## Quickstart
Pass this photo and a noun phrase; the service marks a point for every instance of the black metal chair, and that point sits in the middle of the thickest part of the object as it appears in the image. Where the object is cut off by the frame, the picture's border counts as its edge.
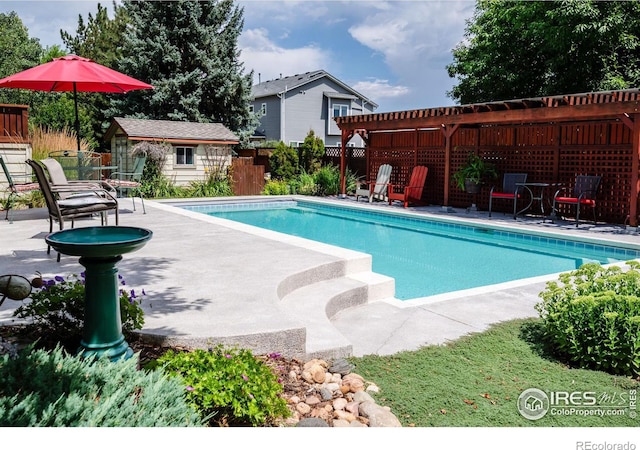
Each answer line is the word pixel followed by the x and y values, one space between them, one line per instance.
pixel 510 190
pixel 97 201
pixel 583 195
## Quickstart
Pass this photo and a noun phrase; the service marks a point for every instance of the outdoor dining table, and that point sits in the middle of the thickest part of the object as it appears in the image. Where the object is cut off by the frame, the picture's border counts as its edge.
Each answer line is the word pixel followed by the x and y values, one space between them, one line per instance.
pixel 536 194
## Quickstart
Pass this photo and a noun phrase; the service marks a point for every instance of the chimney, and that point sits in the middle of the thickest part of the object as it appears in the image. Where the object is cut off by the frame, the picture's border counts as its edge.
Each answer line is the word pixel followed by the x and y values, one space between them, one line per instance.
pixel 258 77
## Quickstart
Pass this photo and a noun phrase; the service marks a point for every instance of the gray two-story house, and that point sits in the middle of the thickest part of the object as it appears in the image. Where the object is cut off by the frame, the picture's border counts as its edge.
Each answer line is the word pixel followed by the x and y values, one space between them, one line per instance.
pixel 291 106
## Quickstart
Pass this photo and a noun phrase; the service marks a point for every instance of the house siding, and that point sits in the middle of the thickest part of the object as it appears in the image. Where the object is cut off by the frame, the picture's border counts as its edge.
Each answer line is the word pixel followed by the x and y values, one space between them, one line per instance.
pixel 121 147
pixel 15 155
pixel 269 124
pixel 306 108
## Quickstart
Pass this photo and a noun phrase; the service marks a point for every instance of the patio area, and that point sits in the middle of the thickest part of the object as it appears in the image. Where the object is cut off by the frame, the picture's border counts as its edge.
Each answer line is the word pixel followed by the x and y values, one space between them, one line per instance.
pixel 213 281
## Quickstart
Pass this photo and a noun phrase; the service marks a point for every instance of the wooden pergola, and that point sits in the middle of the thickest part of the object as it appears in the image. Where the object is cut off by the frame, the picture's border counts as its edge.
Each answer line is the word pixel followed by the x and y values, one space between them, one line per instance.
pixel 620 109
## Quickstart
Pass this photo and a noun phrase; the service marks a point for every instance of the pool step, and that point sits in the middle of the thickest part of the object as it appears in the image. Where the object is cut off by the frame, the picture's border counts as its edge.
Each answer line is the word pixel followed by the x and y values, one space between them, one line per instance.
pixel 316 304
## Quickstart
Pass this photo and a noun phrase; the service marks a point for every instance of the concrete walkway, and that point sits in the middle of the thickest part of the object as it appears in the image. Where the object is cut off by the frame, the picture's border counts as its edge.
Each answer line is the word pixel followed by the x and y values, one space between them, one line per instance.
pixel 211 281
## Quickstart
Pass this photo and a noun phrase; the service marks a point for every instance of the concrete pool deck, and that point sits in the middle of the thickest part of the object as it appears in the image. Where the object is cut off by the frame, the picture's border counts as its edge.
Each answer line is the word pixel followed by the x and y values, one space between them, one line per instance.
pixel 211 281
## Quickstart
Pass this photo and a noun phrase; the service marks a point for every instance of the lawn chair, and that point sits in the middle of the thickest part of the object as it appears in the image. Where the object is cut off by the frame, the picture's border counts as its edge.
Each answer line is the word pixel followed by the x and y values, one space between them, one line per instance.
pixel 583 195
pixel 411 193
pixel 130 182
pixel 16 189
pixel 510 190
pixel 71 188
pixel 377 189
pixel 101 201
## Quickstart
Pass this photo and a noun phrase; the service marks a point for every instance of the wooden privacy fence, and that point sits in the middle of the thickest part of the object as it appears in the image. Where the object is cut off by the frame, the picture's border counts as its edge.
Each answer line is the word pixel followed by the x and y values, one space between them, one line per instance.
pixel 355 158
pixel 247 178
pixel 547 153
pixel 14 120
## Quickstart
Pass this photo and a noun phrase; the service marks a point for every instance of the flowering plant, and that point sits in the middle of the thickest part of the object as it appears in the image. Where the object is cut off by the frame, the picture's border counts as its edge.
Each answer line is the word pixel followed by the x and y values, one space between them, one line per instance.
pixel 57 306
pixel 231 386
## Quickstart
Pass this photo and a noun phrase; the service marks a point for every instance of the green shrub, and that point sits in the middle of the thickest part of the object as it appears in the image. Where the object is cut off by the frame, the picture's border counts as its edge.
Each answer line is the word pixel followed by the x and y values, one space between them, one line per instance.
pixel 592 317
pixel 211 187
pixel 283 162
pixel 276 187
pixel 54 389
pixel 328 180
pixel 304 184
pixel 311 153
pixel 57 308
pixel 232 386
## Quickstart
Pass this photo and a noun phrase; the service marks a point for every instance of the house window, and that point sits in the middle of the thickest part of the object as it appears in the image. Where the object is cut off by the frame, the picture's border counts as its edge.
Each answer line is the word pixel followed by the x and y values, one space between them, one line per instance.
pixel 263 109
pixel 295 144
pixel 251 109
pixel 184 156
pixel 340 110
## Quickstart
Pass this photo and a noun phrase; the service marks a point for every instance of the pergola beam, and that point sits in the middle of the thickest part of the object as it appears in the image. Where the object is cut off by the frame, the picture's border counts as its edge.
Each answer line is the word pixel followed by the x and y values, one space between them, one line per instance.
pixel 414 120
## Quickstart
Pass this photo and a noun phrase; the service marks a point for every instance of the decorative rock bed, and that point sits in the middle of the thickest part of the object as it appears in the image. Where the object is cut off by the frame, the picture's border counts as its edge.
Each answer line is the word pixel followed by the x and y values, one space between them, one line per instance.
pixel 320 394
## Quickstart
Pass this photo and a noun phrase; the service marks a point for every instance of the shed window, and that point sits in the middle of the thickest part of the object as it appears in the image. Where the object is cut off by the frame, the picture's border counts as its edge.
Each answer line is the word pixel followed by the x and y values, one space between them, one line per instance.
pixel 184 156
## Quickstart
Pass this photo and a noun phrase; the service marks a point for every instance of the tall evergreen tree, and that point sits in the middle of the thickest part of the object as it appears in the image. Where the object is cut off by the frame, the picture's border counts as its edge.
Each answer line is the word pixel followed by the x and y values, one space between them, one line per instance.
pixel 188 51
pixel 515 49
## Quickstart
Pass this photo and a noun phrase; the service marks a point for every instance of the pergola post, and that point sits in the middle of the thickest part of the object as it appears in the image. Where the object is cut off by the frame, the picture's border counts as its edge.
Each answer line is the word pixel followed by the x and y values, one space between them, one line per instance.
pixel 635 165
pixel 448 131
pixel 346 136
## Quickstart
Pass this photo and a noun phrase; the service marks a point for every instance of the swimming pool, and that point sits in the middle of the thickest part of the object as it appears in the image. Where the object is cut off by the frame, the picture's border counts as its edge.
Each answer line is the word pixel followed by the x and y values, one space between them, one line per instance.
pixel 426 257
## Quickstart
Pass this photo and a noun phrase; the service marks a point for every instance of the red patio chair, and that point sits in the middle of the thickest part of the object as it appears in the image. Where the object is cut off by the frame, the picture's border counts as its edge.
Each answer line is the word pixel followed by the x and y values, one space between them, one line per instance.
pixel 510 190
pixel 411 193
pixel 583 195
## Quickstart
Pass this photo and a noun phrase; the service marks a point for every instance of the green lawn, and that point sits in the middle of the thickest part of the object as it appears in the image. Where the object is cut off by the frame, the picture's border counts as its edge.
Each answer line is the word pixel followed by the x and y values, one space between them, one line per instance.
pixel 476 381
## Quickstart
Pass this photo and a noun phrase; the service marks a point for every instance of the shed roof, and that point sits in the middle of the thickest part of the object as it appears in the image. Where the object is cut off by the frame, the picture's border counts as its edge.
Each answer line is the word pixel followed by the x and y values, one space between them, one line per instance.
pixel 147 129
pixel 289 83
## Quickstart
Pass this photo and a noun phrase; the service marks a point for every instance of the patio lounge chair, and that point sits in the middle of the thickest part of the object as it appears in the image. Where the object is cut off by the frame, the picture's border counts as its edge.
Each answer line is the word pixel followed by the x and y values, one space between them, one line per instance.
pixel 411 193
pixel 510 190
pixel 130 182
pixel 16 188
pixel 70 188
pixel 583 195
pixel 100 201
pixel 377 189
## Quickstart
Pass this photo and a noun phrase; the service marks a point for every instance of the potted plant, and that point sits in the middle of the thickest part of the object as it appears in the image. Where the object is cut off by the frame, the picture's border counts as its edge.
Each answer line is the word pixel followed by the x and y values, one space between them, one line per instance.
pixel 469 177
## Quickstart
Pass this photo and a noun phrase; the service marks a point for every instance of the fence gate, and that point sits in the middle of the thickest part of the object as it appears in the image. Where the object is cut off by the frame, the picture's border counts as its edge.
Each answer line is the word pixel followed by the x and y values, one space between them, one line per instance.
pixel 247 179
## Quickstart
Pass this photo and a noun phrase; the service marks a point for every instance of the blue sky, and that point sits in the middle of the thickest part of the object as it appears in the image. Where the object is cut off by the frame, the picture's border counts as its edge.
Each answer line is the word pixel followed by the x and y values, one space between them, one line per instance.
pixel 394 52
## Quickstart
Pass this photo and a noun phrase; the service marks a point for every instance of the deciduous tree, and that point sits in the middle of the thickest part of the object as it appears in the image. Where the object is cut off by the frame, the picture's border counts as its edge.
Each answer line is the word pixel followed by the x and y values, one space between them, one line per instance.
pixel 515 49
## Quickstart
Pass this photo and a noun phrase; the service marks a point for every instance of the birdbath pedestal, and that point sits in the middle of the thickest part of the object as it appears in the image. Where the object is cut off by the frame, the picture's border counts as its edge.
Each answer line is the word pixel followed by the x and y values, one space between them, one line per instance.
pixel 100 249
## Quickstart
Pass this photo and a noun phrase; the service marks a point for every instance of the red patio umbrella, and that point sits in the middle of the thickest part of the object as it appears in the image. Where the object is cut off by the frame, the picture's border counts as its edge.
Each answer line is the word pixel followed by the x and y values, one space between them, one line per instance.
pixel 75 74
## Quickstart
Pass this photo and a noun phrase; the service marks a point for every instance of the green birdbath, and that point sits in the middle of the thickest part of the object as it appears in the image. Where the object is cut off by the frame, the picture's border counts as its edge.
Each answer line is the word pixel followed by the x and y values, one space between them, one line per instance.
pixel 100 249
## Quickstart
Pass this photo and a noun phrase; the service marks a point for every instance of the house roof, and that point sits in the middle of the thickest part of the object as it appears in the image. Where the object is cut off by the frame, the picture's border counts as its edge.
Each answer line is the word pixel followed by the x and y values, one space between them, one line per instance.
pixel 281 85
pixel 169 130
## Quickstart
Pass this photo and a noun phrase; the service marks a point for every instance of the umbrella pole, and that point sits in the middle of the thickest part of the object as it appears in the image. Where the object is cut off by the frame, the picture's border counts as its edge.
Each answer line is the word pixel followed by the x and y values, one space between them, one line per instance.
pixel 75 101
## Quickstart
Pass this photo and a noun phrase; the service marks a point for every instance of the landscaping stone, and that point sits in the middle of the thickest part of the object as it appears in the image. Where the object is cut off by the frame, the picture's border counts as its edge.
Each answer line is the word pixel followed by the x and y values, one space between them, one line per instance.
pixel 337 399
pixel 341 366
pixel 312 422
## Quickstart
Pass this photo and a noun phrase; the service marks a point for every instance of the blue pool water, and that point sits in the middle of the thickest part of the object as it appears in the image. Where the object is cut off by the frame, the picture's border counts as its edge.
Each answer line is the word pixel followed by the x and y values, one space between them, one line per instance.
pixel 425 257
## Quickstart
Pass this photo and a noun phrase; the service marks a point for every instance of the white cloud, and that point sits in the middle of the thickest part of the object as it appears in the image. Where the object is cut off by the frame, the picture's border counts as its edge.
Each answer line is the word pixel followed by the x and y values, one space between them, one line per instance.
pixel 379 89
pixel 260 54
